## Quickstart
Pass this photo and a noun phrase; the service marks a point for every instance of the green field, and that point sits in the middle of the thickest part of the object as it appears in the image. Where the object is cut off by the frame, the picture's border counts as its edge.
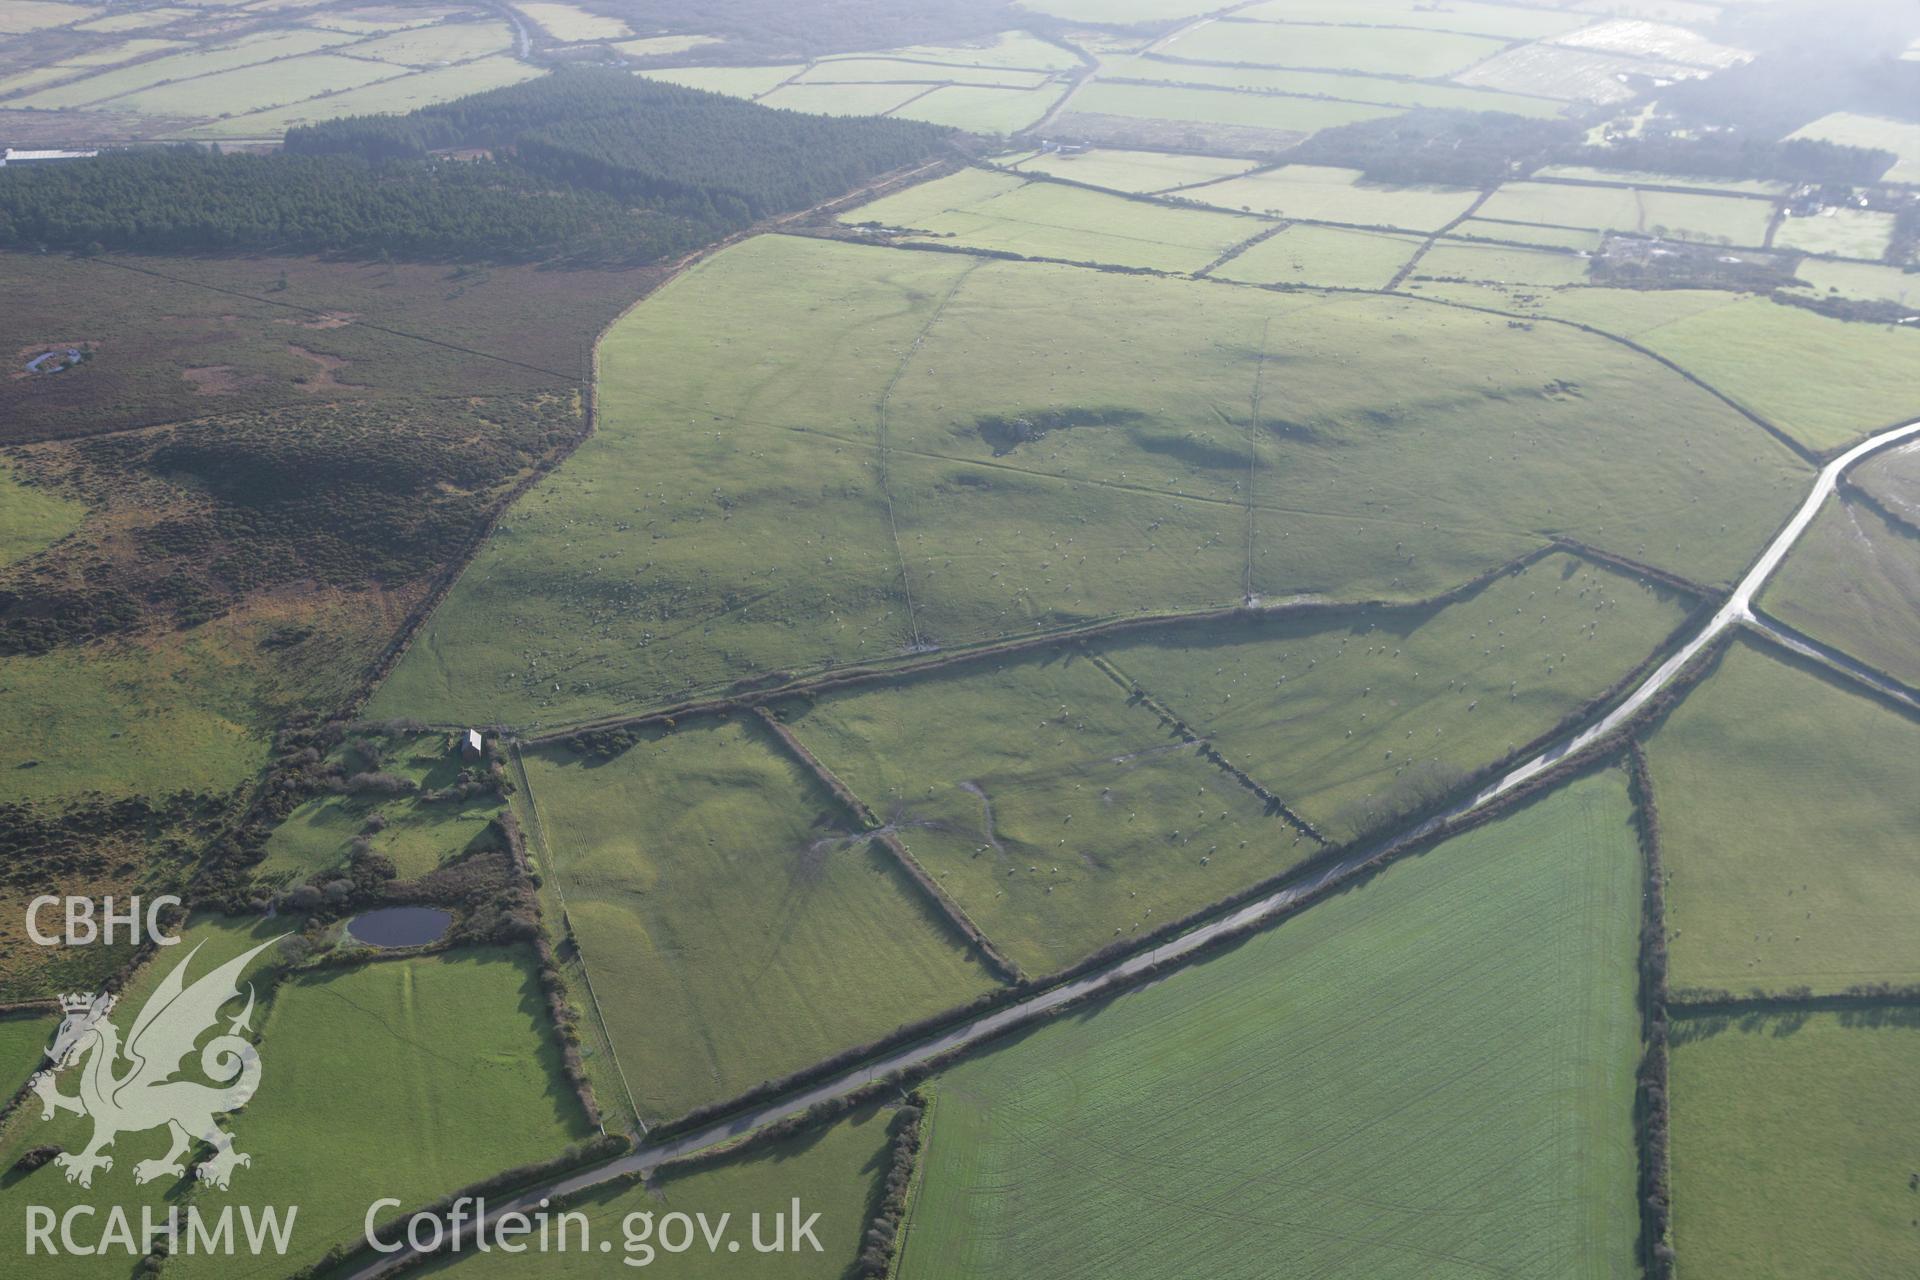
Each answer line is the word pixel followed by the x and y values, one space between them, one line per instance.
pixel 1322 194
pixel 1859 280
pixel 23 1041
pixel 1135 170
pixel 1826 382
pixel 835 1172
pixel 983 111
pixel 1787 807
pixel 842 99
pixel 877 70
pixel 742 82
pixel 1056 812
pixel 568 22
pixel 1850 130
pixel 1853 582
pixel 219 939
pixel 440 43
pixel 1479 19
pixel 1334 257
pixel 728 519
pixel 1352 721
pixel 1329 84
pixel 419 835
pixel 1385 50
pixel 1681 215
pixel 1007 49
pixel 1452 258
pixel 271 84
pixel 1839 233
pixel 459 1077
pixel 1793 1146
pixel 1208 106
pixel 980 209
pixel 130 718
pixel 245 52
pixel 1429 1075
pixel 1524 233
pixel 389 97
pixel 32 518
pixel 733 929
pixel 1643 178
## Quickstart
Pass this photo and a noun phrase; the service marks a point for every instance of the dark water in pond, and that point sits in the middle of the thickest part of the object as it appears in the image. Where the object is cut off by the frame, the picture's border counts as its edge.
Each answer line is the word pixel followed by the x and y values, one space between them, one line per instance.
pixel 399 926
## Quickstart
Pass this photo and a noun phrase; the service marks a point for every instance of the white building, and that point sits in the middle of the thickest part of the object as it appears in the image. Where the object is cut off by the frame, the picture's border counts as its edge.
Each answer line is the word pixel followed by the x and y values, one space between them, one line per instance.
pixel 12 155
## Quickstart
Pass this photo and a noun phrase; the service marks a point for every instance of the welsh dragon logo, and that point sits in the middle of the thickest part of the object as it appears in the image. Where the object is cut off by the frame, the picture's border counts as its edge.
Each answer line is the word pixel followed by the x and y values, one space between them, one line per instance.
pixel 130 1088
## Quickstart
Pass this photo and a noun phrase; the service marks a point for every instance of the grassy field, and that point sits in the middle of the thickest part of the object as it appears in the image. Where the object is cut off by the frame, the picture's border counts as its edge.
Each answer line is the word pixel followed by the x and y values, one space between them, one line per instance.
pixel 1639 178
pixel 1135 170
pixel 877 70
pixel 1324 194
pixel 1839 233
pixel 570 22
pixel 982 110
pixel 420 1122
pixel 1208 106
pixel 390 97
pixel 1008 49
pixel 23 1041
pixel 1453 258
pixel 219 939
pixel 734 930
pixel 1476 19
pixel 1681 215
pixel 1057 812
pixel 32 518
pixel 247 51
pixel 1526 233
pixel 977 208
pixel 842 99
pixel 1334 257
pixel 1331 84
pixel 147 717
pixel 1429 1075
pixel 1793 1146
pixel 1854 582
pixel 742 82
pixel 1787 811
pixel 730 519
pixel 1352 722
pixel 835 1172
pixel 440 43
pixel 1826 382
pixel 417 834
pixel 1385 50
pixel 270 84
pixel 1859 280
pixel 1850 130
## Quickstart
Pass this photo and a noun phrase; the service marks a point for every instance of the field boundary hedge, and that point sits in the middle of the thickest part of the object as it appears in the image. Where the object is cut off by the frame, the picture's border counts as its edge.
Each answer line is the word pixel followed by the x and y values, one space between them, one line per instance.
pixel 1652 1115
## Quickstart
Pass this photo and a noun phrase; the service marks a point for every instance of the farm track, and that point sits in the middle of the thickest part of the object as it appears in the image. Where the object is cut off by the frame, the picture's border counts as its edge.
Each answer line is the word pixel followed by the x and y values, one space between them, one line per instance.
pixel 1121 973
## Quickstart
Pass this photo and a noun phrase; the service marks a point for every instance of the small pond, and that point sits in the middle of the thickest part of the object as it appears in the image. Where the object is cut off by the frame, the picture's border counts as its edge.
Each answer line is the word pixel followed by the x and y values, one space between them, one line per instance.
pixel 400 926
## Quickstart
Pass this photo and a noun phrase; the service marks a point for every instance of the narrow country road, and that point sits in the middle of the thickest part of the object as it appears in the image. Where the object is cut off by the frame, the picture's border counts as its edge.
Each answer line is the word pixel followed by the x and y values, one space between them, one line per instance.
pixel 1738 610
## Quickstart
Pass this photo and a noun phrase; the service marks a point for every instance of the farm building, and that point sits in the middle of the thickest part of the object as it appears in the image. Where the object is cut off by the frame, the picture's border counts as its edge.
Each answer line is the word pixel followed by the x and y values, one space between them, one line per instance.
pixel 10 155
pixel 472 746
